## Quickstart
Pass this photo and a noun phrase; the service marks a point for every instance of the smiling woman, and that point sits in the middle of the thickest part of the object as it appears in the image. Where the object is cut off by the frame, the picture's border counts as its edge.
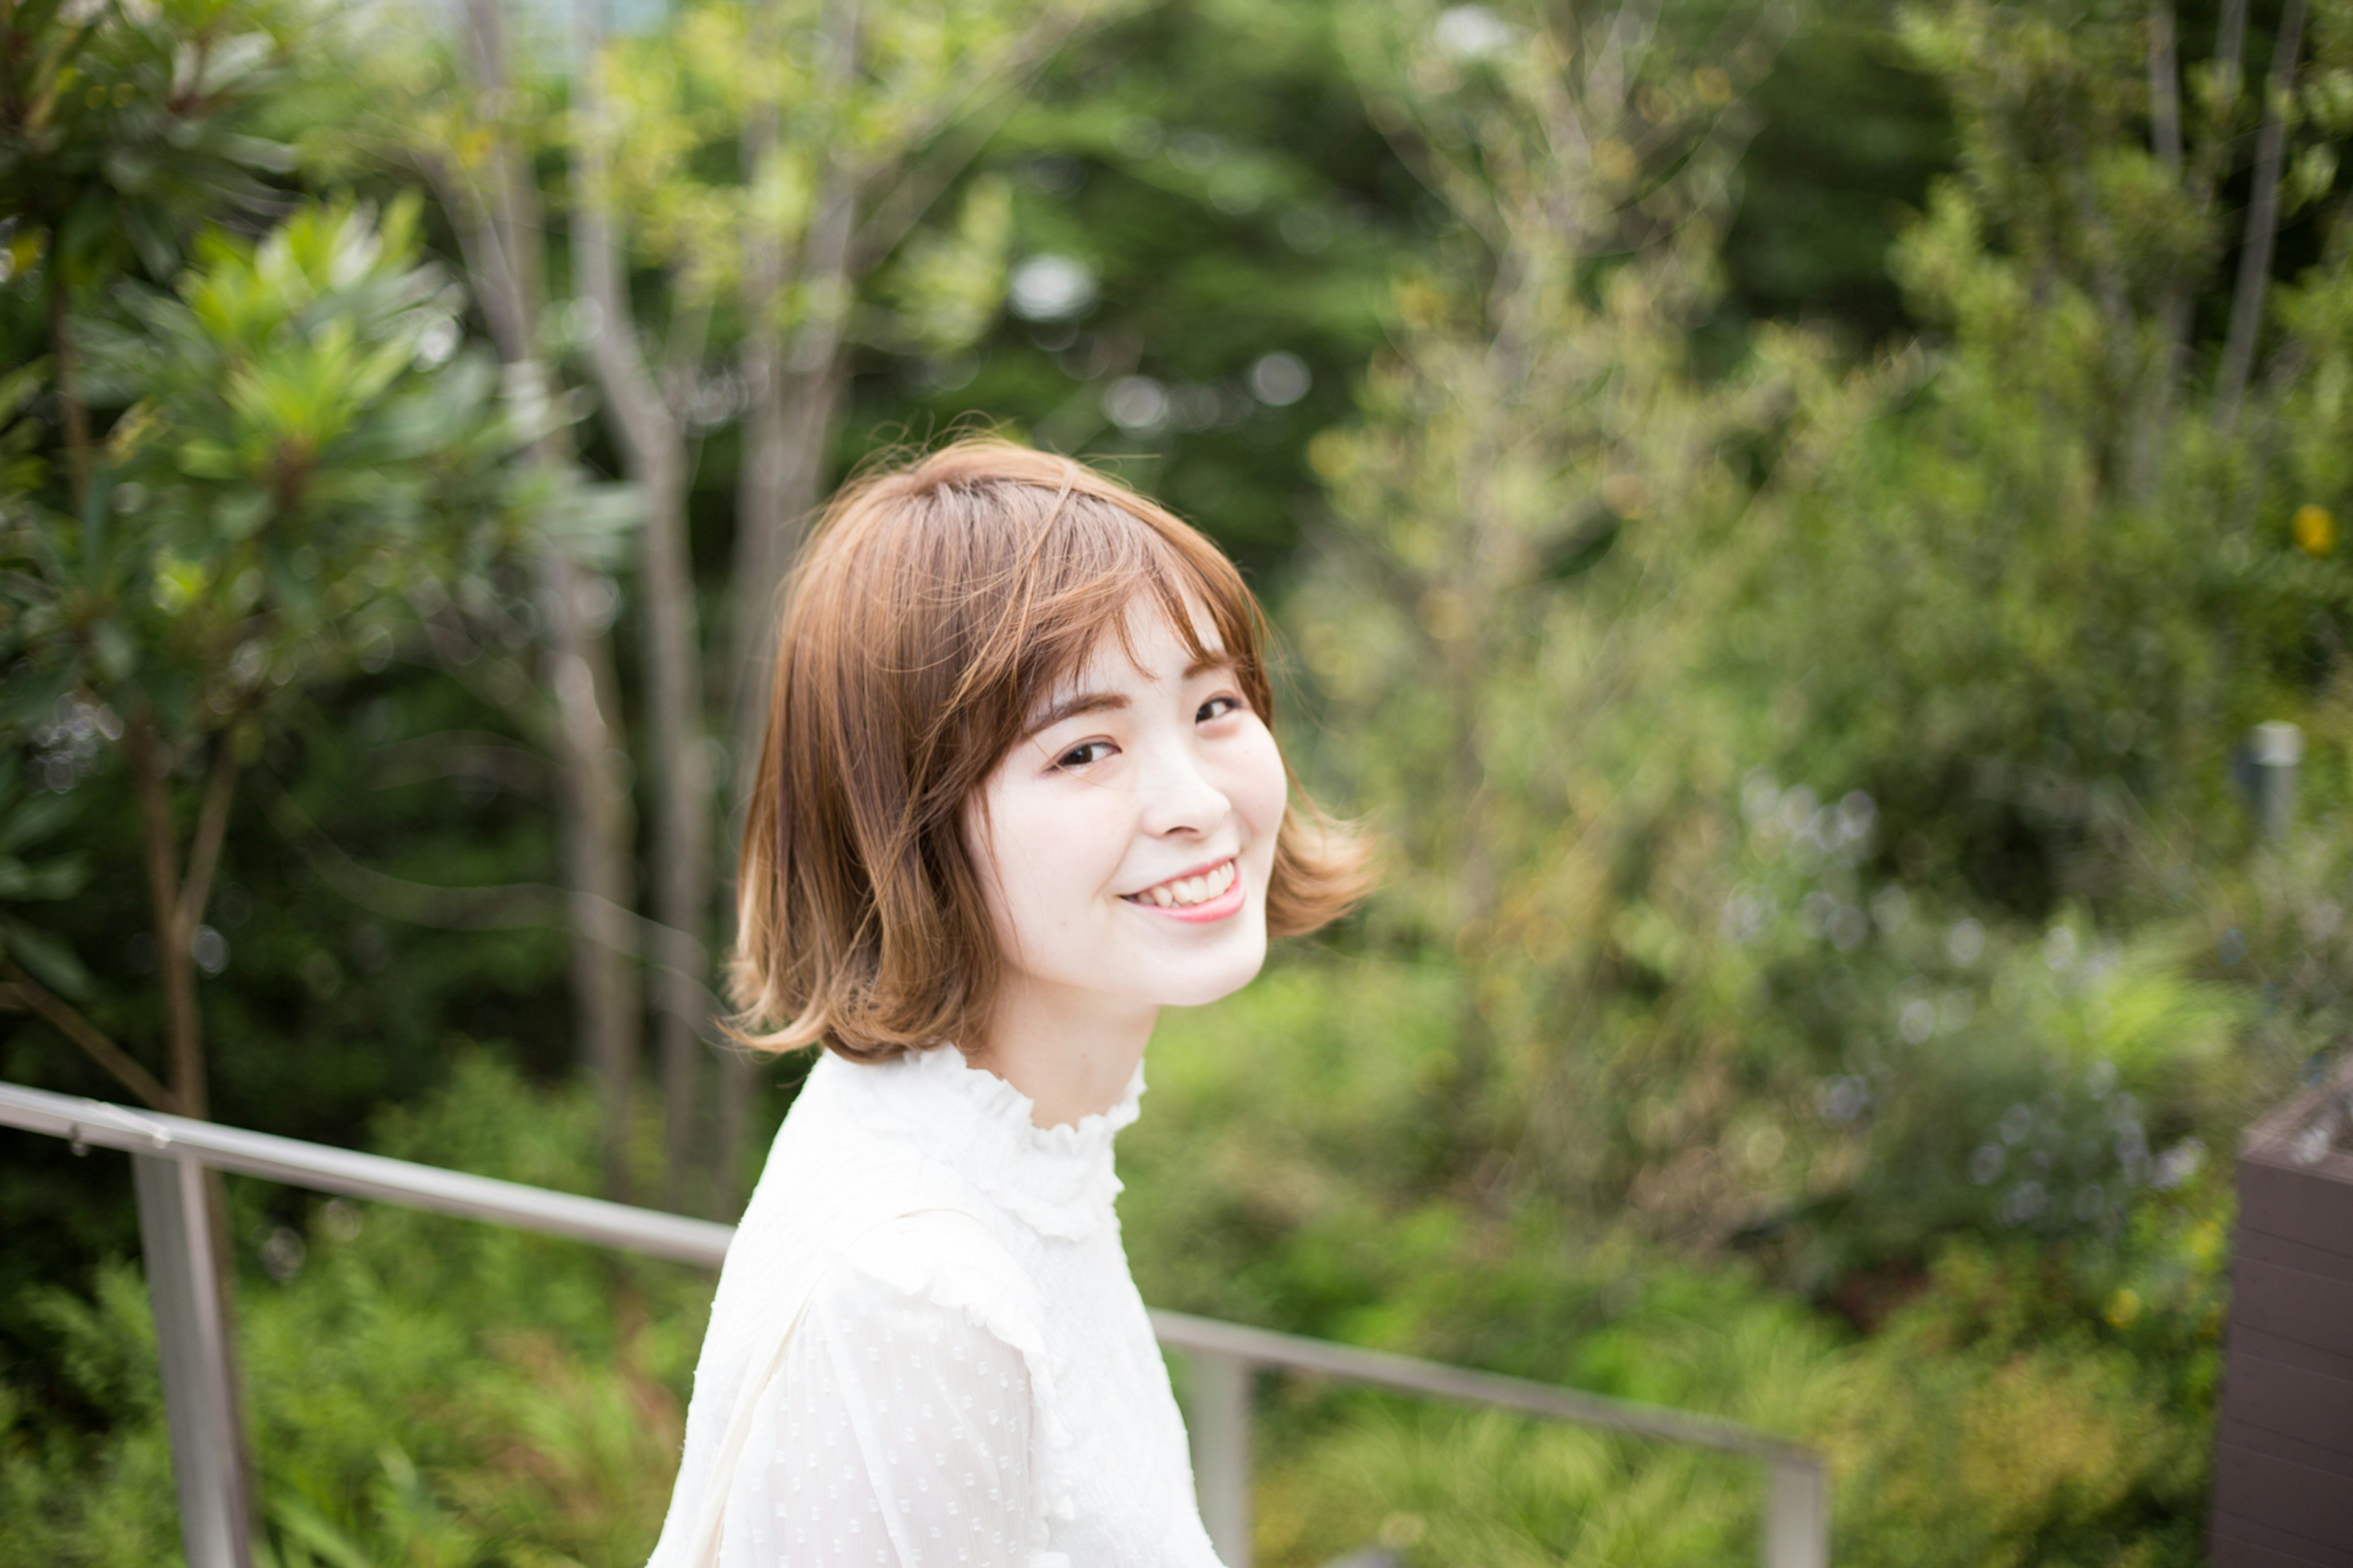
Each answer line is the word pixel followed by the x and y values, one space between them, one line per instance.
pixel 943 614
pixel 1119 842
pixel 1018 793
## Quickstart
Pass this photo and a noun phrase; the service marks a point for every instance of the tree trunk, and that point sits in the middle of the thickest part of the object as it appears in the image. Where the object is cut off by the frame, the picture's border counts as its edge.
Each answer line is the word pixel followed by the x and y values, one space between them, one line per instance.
pixel 182 1031
pixel 788 433
pixel 790 441
pixel 598 867
pixel 682 867
pixel 653 445
pixel 759 507
pixel 176 904
pixel 797 391
pixel 500 235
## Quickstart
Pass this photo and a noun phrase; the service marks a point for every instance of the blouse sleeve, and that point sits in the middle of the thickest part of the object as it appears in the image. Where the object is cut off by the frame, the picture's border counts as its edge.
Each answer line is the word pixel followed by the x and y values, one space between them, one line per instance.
pixel 898 1432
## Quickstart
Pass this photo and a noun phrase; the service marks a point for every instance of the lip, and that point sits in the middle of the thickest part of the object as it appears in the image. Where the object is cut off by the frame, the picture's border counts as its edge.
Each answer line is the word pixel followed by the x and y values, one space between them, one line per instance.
pixel 1212 864
pixel 1225 906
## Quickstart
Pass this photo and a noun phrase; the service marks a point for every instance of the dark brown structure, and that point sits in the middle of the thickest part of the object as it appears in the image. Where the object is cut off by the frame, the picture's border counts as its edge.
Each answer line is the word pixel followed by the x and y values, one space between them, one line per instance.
pixel 2283 1451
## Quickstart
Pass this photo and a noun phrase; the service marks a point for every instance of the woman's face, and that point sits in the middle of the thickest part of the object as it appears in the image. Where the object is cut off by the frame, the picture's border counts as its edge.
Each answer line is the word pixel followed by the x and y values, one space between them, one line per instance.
pixel 1125 843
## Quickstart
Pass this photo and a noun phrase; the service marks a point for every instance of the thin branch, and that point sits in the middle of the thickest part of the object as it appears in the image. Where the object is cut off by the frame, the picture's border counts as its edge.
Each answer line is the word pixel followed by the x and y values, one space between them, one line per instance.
pixel 962 127
pixel 484 230
pixel 184 1024
pixel 460 753
pixel 61 355
pixel 2230 41
pixel 21 992
pixel 2262 223
pixel 212 826
pixel 2164 88
pixel 502 906
pixel 889 218
pixel 641 419
pixel 689 334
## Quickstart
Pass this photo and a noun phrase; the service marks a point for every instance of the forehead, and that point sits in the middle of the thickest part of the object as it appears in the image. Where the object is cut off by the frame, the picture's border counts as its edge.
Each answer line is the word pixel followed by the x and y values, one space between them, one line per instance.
pixel 1141 642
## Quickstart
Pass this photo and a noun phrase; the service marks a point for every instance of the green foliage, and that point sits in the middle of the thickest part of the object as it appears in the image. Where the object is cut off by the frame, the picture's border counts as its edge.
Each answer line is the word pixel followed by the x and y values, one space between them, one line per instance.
pixel 301 457
pixel 127 128
pixel 2019 1400
pixel 32 871
pixel 424 1390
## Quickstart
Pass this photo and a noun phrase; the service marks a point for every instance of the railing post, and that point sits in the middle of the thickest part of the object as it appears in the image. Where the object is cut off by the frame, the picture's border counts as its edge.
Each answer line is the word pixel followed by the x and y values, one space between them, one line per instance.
pixel 1220 1426
pixel 2273 753
pixel 1797 1515
pixel 200 1394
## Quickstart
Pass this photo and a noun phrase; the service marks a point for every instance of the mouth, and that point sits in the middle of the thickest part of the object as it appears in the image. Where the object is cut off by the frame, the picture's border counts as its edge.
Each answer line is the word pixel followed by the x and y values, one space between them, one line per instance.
pixel 1206 895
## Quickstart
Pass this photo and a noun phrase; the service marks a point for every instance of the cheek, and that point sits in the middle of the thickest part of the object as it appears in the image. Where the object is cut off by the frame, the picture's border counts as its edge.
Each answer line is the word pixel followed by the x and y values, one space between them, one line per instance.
pixel 1040 850
pixel 1257 785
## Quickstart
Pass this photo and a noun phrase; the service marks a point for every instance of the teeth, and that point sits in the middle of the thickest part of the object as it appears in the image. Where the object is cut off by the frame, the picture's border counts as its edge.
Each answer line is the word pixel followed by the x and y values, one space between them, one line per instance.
pixel 1182 891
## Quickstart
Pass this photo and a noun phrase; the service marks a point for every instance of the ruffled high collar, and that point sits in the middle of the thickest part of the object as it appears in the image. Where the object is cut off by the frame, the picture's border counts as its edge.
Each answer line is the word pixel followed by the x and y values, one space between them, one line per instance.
pixel 1057 1180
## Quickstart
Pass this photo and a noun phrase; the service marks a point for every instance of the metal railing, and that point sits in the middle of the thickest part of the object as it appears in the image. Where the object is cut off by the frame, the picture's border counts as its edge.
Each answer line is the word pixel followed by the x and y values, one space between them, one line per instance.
pixel 169 1155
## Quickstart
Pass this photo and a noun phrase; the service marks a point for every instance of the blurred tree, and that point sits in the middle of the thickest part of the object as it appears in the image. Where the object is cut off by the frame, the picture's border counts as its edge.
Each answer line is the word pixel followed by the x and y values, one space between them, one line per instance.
pixel 2105 466
pixel 1824 191
pixel 122 129
pixel 856 119
pixel 302 453
pixel 471 119
pixel 1536 470
pixel 645 409
pixel 1204 221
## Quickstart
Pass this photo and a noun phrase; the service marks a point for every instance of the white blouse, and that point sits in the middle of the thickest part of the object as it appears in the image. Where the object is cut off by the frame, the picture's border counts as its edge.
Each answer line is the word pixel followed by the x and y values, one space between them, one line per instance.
pixel 966 1374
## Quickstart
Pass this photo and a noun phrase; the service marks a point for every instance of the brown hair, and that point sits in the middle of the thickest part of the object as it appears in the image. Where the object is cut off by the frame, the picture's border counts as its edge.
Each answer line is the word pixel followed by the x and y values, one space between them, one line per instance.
pixel 934 606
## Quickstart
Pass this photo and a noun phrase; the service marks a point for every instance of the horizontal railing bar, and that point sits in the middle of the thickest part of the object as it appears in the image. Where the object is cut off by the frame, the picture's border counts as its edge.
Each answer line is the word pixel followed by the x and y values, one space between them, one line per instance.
pixel 94 1121
pixel 699 1241
pixel 1409 1374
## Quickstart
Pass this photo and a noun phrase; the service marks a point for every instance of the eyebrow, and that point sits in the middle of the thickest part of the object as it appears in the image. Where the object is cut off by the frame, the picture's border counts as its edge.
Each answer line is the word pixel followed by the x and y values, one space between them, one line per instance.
pixel 1079 703
pixel 1071 707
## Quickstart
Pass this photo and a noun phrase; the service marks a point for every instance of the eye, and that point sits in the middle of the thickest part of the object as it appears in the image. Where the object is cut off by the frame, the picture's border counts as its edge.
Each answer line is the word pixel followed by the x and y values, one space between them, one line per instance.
pixel 1218 708
pixel 1081 755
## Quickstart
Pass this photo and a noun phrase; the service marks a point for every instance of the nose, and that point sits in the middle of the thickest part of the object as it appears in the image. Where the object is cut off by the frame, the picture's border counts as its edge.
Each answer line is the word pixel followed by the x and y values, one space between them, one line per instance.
pixel 1180 797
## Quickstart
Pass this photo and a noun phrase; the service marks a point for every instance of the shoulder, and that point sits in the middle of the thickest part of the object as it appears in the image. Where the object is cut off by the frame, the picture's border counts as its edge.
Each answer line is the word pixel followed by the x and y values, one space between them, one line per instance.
pixel 934 1297
pixel 942 1265
pixel 924 1329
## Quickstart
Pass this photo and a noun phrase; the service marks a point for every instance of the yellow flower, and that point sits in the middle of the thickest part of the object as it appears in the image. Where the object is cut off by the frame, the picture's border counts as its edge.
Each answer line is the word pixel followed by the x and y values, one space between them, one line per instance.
pixel 2123 1307
pixel 2315 529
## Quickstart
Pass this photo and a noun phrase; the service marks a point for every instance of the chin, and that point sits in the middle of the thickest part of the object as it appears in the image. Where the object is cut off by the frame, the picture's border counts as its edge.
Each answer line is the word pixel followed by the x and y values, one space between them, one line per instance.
pixel 1198 985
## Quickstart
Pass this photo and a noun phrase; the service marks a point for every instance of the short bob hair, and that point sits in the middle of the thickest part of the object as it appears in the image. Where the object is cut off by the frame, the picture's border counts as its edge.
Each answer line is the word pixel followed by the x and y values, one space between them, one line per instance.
pixel 936 605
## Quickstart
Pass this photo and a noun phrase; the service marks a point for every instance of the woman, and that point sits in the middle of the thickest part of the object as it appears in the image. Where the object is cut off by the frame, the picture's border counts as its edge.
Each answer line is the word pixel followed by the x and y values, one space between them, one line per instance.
pixel 1017 794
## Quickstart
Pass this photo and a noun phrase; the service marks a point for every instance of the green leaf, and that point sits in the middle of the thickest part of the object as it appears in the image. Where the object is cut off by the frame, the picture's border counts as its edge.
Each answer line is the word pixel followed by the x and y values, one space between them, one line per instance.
pixel 33 819
pixel 318 1534
pixel 117 650
pixel 47 958
pixel 44 883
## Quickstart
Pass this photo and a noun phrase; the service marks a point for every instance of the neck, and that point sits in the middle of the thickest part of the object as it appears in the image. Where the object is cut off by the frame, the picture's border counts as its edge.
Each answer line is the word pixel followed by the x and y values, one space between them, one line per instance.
pixel 1071 1055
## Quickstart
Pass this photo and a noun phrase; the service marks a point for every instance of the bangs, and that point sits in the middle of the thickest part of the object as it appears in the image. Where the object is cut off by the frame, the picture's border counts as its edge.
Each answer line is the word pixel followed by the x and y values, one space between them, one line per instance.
pixel 1095 576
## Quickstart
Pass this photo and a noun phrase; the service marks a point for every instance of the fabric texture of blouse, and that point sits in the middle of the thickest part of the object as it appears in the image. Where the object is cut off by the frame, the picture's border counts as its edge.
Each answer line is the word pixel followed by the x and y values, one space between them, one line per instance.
pixel 965 1377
